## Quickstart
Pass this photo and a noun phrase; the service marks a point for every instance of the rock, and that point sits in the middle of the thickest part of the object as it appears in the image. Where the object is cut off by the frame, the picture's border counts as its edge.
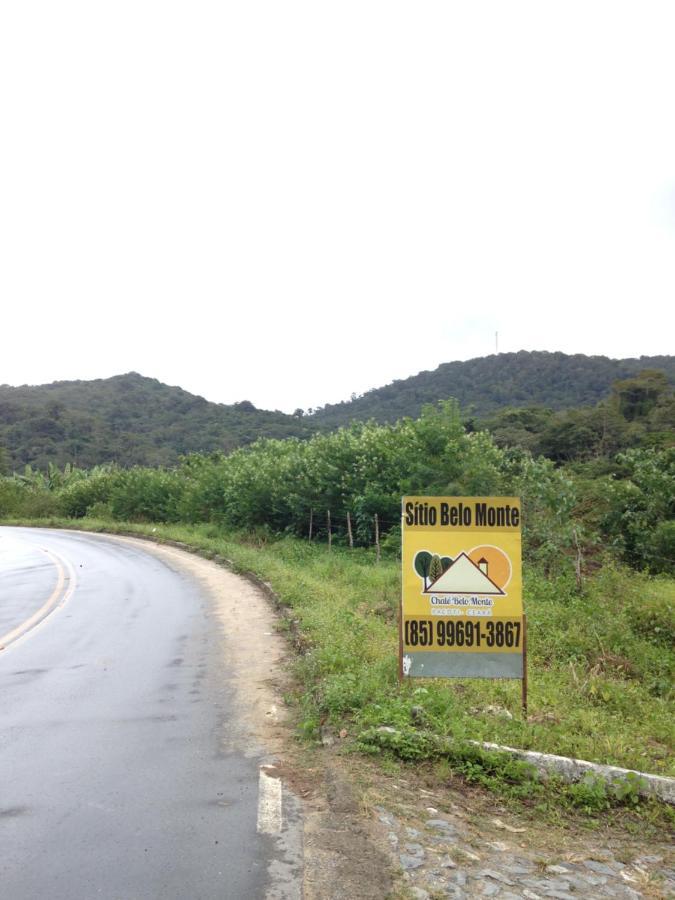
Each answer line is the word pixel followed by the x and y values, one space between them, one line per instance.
pixel 498 711
pixel 410 862
pixel 453 890
pixel 447 863
pixel 557 870
pixel 531 895
pixel 595 880
pixel 412 832
pixel 541 885
pixel 497 876
pixel 580 884
pixel 415 849
pixel 498 846
pixel 440 823
pixel 524 861
pixel 557 884
pixel 628 876
pixel 490 889
pixel 387 729
pixel 599 867
pixel 505 827
pixel 516 869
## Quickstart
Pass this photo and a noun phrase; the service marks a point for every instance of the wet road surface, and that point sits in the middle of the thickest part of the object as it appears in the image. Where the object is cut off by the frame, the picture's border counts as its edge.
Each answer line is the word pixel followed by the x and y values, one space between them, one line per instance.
pixel 117 778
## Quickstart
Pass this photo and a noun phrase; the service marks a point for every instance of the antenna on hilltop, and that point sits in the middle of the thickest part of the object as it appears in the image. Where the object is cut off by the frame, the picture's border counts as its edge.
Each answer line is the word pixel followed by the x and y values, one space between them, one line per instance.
pixel 496 342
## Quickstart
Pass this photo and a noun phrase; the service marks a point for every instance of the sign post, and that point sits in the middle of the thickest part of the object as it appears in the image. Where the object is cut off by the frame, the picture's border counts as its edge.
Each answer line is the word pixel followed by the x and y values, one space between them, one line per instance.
pixel 524 693
pixel 461 606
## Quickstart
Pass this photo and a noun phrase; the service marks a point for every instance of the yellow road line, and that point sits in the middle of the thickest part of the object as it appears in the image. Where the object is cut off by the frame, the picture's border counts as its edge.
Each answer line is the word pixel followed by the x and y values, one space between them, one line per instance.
pixel 57 598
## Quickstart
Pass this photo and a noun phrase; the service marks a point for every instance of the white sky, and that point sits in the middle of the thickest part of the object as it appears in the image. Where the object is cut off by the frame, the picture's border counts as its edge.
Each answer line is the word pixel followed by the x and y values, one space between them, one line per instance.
pixel 289 201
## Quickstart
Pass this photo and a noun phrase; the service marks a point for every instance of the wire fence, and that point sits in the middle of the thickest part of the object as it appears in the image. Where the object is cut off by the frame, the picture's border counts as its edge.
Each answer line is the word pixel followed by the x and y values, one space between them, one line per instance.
pixel 327 525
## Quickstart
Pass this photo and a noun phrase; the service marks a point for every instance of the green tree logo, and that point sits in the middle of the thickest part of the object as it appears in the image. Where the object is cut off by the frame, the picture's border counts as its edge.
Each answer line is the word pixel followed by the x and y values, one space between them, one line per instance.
pixel 430 566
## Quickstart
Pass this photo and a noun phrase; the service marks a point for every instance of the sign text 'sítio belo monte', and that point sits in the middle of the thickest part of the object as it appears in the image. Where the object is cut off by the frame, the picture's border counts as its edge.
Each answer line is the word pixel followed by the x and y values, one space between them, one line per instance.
pixel 461 607
pixel 452 514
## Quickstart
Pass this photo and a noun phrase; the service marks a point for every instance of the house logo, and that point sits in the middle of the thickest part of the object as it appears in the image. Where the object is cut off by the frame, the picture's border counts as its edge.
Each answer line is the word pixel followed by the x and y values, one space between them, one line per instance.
pixel 484 570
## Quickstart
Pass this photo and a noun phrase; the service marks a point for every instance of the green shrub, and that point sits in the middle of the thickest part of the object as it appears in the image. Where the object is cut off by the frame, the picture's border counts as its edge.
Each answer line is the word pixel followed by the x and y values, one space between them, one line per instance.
pixel 146 495
pixel 641 509
pixel 77 498
pixel 12 496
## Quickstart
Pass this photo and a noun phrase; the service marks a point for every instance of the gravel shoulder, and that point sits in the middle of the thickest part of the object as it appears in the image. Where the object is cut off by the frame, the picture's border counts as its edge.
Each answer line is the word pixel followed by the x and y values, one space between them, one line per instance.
pixel 452 840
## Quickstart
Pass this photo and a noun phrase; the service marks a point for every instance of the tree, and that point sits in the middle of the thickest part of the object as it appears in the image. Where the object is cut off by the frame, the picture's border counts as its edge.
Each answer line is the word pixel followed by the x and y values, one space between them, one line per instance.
pixel 636 397
pixel 422 563
pixel 435 568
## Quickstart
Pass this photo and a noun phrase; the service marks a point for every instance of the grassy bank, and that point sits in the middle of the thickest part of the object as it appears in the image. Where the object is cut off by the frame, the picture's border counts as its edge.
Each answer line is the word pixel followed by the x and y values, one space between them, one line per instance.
pixel 600 663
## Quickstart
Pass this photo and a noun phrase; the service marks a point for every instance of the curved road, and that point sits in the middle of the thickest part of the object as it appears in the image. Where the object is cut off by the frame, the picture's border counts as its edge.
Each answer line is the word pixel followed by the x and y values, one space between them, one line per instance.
pixel 115 780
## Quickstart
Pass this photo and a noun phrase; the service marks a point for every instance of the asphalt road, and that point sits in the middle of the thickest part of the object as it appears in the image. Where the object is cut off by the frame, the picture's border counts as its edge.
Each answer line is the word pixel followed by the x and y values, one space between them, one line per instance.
pixel 115 778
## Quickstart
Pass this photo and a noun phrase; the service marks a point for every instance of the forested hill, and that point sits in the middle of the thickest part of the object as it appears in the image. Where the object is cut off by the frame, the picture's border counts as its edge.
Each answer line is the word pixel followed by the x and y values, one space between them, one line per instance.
pixel 128 419
pixel 489 383
pixel 133 420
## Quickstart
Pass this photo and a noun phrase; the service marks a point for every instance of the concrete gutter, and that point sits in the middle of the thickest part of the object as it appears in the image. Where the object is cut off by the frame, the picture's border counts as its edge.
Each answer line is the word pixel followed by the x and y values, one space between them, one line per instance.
pixel 572 770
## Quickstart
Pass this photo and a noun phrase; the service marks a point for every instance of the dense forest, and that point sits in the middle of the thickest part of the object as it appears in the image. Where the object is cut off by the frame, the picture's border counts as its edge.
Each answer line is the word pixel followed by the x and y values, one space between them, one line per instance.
pixel 639 412
pixel 132 420
pixel 484 385
pixel 128 419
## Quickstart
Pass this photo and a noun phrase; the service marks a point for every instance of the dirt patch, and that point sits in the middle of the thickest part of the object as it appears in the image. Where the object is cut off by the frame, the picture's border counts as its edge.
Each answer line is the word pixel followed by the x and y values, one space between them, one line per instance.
pixel 345 857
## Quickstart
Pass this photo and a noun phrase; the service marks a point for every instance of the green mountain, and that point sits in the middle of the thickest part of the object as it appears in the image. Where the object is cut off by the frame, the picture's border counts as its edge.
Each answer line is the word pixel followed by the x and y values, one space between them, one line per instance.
pixel 135 420
pixel 487 384
pixel 128 419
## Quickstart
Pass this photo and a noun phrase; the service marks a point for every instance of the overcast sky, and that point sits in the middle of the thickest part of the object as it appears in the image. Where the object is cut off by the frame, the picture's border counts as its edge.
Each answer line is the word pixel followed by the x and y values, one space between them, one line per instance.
pixel 289 202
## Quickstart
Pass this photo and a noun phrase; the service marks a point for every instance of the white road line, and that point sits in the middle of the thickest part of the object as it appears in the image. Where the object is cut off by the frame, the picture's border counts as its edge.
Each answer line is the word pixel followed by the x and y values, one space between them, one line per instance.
pixel 72 579
pixel 58 598
pixel 269 802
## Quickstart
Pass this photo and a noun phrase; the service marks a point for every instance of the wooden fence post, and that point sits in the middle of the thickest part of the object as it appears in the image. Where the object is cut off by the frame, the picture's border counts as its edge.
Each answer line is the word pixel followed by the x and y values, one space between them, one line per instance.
pixel 330 533
pixel 377 538
pixel 349 532
pixel 311 522
pixel 578 562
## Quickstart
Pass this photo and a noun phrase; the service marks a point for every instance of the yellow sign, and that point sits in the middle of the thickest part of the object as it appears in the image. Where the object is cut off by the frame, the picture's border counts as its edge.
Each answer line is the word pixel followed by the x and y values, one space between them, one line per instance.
pixel 462 607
